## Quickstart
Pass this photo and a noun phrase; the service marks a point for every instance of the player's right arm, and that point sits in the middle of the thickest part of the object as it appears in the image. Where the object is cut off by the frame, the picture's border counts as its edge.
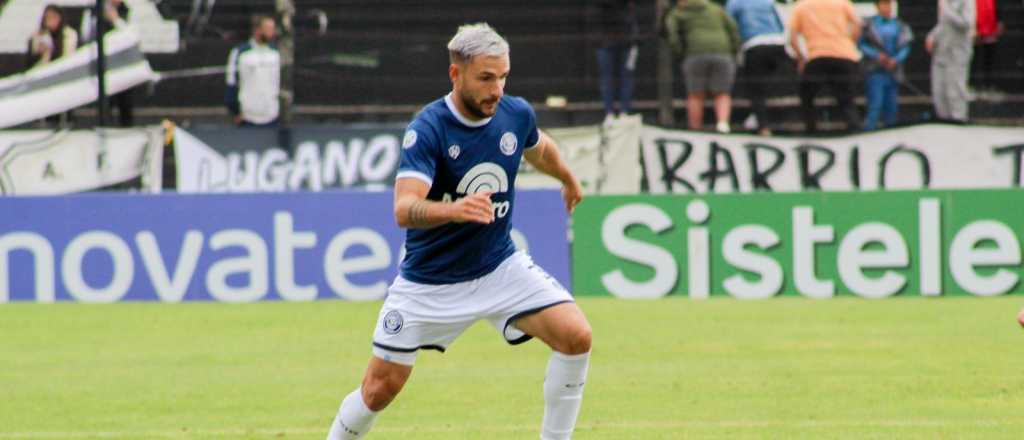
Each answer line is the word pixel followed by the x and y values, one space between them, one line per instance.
pixel 414 211
pixel 419 162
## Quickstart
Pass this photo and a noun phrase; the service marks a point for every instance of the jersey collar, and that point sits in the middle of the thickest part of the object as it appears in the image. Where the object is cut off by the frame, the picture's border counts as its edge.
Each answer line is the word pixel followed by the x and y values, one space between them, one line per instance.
pixel 464 120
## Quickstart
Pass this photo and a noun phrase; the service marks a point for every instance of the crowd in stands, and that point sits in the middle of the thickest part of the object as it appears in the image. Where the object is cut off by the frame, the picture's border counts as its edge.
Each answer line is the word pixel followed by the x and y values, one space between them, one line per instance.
pixel 714 41
pixel 832 48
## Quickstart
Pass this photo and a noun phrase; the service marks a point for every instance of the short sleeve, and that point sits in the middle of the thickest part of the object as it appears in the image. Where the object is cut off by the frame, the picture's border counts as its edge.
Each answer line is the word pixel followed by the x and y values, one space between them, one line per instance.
pixel 851 14
pixel 794 20
pixel 533 133
pixel 419 153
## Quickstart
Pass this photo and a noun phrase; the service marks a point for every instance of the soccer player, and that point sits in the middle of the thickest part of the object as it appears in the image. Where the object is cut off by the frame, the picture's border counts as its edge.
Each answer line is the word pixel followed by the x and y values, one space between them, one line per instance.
pixel 454 194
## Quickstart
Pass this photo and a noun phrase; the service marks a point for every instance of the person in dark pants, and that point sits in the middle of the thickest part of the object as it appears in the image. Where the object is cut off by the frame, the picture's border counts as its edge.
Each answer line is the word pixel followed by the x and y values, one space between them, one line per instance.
pixel 990 28
pixel 763 53
pixel 830 29
pixel 619 30
pixel 113 18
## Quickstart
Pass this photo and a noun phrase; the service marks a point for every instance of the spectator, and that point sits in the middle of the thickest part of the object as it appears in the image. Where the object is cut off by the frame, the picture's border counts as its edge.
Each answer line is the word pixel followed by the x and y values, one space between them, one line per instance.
pixel 763 53
pixel 254 77
pixel 54 39
pixel 885 43
pixel 990 28
pixel 113 18
pixel 951 46
pixel 706 38
pixel 830 29
pixel 617 53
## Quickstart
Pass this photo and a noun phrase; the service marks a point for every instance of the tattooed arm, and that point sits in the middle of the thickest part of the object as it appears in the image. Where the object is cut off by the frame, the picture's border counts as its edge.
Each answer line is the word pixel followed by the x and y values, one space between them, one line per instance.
pixel 414 211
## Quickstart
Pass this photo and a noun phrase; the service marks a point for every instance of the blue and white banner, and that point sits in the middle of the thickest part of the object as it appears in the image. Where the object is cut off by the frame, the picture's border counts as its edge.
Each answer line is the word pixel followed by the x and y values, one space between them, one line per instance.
pixel 234 160
pixel 229 248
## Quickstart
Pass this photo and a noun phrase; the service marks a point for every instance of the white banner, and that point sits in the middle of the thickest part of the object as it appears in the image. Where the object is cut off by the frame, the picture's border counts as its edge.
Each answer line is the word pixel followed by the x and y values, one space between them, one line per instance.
pixel 605 159
pixel 71 81
pixel 924 156
pixel 629 158
pixel 42 162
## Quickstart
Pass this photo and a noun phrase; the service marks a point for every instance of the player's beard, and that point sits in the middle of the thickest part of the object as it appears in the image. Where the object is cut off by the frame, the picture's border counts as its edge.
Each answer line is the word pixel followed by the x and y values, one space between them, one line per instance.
pixel 477 109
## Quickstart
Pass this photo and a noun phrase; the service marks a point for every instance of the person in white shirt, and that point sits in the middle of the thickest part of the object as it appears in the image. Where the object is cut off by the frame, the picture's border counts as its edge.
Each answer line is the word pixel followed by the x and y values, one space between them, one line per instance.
pixel 254 77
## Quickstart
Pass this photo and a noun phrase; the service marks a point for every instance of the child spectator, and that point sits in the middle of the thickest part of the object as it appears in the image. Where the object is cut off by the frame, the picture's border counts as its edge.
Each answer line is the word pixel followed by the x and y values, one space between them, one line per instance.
pixel 885 43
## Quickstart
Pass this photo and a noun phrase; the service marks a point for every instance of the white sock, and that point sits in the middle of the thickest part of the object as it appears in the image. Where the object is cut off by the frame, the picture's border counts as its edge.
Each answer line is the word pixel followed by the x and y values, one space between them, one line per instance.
pixel 563 394
pixel 354 419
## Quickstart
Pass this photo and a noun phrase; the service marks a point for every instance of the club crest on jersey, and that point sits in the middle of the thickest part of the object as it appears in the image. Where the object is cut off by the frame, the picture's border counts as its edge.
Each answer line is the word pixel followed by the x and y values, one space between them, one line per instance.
pixel 454 151
pixel 410 139
pixel 508 143
pixel 393 322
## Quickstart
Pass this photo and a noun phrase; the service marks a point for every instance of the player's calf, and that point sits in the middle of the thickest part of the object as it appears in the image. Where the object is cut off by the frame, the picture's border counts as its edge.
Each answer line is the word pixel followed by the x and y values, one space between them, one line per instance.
pixel 563 394
pixel 565 329
pixel 382 382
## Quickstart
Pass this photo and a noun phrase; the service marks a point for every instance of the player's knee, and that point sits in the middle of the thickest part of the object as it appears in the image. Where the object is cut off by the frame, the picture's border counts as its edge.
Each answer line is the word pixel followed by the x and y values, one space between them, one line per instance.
pixel 578 341
pixel 378 392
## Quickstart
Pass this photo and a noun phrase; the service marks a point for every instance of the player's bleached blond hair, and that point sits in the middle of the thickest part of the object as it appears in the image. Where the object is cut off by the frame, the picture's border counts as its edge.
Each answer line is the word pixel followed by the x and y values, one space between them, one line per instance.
pixel 473 40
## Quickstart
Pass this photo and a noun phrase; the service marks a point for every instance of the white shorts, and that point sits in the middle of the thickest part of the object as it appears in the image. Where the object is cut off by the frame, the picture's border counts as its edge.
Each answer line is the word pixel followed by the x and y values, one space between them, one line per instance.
pixel 426 316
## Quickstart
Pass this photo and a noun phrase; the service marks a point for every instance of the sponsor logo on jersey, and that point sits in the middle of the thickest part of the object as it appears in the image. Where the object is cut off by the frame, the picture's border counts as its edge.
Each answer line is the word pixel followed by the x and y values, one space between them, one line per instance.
pixel 487 176
pixel 454 151
pixel 508 143
pixel 393 322
pixel 410 139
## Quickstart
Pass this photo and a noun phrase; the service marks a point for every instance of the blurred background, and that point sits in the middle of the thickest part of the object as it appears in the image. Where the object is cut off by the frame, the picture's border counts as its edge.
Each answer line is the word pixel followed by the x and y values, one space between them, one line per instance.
pixel 381 60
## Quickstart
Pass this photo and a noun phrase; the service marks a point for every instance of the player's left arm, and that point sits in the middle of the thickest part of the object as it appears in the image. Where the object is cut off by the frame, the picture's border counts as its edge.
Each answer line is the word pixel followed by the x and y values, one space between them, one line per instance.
pixel 546 158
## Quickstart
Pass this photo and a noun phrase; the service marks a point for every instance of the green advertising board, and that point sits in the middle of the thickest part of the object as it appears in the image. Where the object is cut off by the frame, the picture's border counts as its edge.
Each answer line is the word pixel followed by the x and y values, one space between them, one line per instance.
pixel 819 245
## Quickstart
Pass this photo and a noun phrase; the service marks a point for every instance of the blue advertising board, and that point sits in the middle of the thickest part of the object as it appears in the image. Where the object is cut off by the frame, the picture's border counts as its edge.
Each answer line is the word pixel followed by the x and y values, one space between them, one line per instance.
pixel 230 247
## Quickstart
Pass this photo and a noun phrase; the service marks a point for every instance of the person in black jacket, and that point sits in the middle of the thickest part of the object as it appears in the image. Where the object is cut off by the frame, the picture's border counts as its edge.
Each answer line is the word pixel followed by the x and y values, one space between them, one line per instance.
pixel 113 17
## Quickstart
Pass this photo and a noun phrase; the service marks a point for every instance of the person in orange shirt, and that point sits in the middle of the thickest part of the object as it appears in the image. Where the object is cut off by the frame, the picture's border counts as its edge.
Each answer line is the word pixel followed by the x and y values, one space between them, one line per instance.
pixel 830 30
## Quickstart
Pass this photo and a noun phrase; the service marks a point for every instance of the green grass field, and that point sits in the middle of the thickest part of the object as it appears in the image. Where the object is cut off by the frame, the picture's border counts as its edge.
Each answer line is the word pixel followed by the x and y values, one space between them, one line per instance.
pixel 669 369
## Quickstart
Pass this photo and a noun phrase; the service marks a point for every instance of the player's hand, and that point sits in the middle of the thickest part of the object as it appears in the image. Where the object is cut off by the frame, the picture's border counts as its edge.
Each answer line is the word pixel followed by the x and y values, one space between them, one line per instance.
pixel 476 208
pixel 801 64
pixel 1020 317
pixel 929 44
pixel 572 193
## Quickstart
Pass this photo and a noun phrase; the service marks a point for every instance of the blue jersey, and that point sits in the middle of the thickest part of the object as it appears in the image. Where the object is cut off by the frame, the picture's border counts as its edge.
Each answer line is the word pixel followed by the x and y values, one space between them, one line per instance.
pixel 457 157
